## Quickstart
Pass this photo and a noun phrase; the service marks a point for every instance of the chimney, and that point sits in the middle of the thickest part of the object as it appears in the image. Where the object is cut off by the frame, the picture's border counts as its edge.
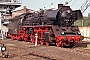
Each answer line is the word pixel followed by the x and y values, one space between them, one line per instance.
pixel 25 9
pixel 60 5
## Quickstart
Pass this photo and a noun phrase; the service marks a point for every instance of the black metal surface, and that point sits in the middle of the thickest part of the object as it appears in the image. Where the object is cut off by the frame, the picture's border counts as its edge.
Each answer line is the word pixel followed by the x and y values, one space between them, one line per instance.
pixel 61 20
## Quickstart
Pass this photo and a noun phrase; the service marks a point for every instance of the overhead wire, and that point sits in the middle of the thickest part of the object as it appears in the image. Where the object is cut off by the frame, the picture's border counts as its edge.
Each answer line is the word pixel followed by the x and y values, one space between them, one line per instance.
pixel 67 2
pixel 70 1
pixel 73 3
pixel 85 5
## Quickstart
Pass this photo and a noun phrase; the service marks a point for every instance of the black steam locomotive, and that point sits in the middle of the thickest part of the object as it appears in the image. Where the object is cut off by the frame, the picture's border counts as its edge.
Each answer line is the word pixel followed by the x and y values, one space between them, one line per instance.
pixel 50 26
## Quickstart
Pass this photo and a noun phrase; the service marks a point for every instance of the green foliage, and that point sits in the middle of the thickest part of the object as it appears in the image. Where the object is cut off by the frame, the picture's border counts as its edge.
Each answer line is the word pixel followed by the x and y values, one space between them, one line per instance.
pixel 86 22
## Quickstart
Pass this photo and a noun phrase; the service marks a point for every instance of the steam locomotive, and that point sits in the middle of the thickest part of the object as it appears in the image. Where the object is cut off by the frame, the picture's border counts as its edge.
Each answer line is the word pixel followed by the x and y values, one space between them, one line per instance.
pixel 51 26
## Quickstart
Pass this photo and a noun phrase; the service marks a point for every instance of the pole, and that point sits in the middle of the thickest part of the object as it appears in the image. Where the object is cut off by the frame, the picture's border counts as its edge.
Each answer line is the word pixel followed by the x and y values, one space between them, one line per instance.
pixel 36 39
pixel 82 22
pixel 1 26
pixel 0 20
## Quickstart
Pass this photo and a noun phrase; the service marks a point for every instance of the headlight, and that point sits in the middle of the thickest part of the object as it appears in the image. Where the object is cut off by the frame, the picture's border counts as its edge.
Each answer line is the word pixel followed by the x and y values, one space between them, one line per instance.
pixel 79 33
pixel 62 32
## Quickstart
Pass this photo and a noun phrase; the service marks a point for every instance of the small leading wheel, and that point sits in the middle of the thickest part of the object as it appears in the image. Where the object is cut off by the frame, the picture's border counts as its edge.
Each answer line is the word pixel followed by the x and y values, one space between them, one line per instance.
pixel 58 43
pixel 71 44
pixel 42 42
pixel 47 43
pixel 62 44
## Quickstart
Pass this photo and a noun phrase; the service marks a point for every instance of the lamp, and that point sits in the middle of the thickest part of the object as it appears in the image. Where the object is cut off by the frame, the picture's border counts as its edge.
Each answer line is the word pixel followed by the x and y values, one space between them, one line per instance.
pixel 3 48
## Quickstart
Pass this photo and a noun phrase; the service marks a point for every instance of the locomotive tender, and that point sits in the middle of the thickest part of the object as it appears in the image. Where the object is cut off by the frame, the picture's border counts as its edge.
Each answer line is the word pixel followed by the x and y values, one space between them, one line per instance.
pixel 52 26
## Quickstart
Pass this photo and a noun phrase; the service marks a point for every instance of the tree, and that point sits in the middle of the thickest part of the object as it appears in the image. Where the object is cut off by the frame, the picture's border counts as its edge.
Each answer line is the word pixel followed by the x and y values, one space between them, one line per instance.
pixel 86 21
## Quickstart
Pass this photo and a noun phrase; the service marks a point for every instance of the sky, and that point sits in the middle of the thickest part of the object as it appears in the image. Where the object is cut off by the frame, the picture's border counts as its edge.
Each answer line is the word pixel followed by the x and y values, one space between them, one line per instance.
pixel 37 4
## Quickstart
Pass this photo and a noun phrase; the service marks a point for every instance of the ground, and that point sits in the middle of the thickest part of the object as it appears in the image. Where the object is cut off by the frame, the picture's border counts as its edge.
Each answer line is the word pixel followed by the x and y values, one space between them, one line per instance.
pixel 20 50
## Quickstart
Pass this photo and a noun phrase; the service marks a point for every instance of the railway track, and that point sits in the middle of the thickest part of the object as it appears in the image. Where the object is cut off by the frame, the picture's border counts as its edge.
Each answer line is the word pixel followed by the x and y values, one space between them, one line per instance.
pixel 27 51
pixel 30 53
